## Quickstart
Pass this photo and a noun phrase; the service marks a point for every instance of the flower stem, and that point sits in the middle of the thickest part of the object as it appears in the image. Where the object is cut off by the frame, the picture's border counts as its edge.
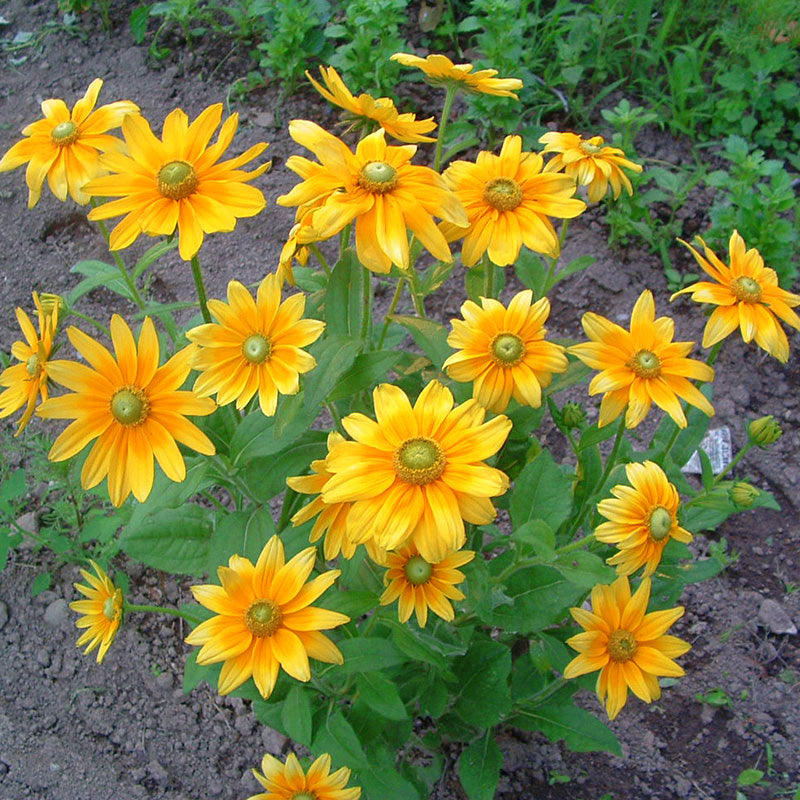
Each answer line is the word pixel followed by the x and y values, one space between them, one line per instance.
pixel 577 544
pixel 739 456
pixel 323 262
pixel 419 302
pixel 175 612
pixel 366 306
pixel 344 240
pixel 488 277
pixel 93 321
pixel 197 273
pixel 392 306
pixel 448 104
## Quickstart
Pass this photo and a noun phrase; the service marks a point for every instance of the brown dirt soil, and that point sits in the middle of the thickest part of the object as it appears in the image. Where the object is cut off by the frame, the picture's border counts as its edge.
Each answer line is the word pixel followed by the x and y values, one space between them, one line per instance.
pixel 71 730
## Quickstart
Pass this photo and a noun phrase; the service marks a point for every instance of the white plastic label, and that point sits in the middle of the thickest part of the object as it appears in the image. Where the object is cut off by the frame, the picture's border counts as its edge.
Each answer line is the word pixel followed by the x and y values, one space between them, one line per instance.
pixel 717 445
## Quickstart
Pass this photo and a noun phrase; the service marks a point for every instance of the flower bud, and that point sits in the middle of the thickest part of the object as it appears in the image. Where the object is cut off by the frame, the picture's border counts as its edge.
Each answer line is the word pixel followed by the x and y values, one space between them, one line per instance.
pixel 744 494
pixel 50 302
pixel 573 415
pixel 764 431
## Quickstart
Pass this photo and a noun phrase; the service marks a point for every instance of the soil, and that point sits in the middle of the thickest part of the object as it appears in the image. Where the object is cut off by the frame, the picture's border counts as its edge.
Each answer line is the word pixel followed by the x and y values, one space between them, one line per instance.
pixel 73 730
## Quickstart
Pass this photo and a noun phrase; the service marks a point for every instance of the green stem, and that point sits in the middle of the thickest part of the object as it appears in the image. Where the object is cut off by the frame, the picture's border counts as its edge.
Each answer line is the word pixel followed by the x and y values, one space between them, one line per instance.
pixel 577 544
pixel 210 497
pixel 175 612
pixel 366 306
pixel 93 321
pixel 488 277
pixel 392 306
pixel 323 262
pixel 419 303
pixel 510 570
pixel 344 240
pixel 739 456
pixel 448 104
pixel 335 414
pixel 197 273
pixel 713 353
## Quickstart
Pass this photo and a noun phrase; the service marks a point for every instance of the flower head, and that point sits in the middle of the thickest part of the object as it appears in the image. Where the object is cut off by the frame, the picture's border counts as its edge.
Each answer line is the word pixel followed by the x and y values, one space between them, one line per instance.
pixel 628 646
pixel 177 181
pixel 131 406
pixel 441 71
pixel 264 619
pixel 503 351
pixel 421 585
pixel 289 782
pixel 418 472
pixel 376 187
pixel 748 297
pixel 65 146
pixel 641 366
pixel 590 162
pixel 764 431
pixel 255 346
pixel 102 612
pixel 27 380
pixel 642 519
pixel 366 109
pixel 509 201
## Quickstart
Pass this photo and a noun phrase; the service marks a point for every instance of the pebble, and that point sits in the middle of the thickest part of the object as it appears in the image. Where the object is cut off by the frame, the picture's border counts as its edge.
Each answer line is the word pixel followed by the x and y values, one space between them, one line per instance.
pixel 3 615
pixel 773 617
pixel 28 522
pixel 274 741
pixel 57 613
pixel 158 773
pixel 43 657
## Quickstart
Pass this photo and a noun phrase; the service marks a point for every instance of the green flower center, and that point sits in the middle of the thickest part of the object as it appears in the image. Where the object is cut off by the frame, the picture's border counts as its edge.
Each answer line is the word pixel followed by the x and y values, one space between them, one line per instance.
pixel 110 608
pixel 504 194
pixel 129 406
pixel 177 180
pixel 660 523
pixel 418 570
pixel 645 364
pixel 622 645
pixel 746 290
pixel 507 349
pixel 304 796
pixel 263 617
pixel 64 133
pixel 419 461
pixel 256 348
pixel 592 146
pixel 32 366
pixel 377 177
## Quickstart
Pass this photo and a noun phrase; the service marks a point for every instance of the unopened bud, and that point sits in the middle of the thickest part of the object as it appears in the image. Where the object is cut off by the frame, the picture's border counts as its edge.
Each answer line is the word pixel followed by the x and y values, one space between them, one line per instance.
pixel 744 494
pixel 51 302
pixel 573 415
pixel 764 431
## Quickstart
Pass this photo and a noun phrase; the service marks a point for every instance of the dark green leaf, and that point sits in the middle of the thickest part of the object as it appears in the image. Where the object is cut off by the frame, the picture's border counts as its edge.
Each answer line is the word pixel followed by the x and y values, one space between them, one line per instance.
pixel 343 297
pixel 484 695
pixel 381 695
pixel 296 715
pixel 335 355
pixel 242 533
pixel 541 491
pixel 41 582
pixel 584 569
pixel 368 369
pixel 365 655
pixel 338 738
pixel 429 336
pixel 479 768
pixel 581 731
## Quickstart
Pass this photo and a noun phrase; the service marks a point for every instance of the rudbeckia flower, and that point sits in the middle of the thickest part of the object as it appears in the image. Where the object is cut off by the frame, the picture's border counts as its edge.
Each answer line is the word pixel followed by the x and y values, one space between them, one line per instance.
pixel 289 782
pixel 417 473
pixel 264 619
pixel 102 612
pixel 748 297
pixel 131 406
pixel 28 380
pixel 441 71
pixel 641 366
pixel 629 647
pixel 509 201
pixel 642 519
pixel 503 351
pixel 177 181
pixel 377 188
pixel 65 146
pixel 590 162
pixel 419 585
pixel 366 109
pixel 254 347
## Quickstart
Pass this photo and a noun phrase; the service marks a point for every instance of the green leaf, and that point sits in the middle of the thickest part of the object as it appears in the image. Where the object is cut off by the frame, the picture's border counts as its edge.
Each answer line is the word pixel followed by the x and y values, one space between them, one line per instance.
pixel 531 271
pixel 343 297
pixel 594 435
pixel 581 731
pixel 334 355
pixel 383 782
pixel 352 602
pixel 368 654
pixel 194 674
pixel 138 23
pixel 296 715
pixel 41 582
pixel 13 487
pixel 429 336
pixel 368 369
pixel 578 264
pixel 381 695
pixel 99 528
pixel 479 768
pixel 338 738
pixel 242 533
pixel 152 255
pixel 258 436
pixel 584 569
pixel 484 695
pixel 539 536
pixel 541 491
pixel 749 777
pixel 97 273
pixel 5 546
pixel 172 539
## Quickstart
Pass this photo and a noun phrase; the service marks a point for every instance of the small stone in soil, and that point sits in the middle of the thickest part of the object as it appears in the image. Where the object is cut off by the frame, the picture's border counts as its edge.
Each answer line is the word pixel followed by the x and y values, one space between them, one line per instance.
pixel 774 618
pixel 57 613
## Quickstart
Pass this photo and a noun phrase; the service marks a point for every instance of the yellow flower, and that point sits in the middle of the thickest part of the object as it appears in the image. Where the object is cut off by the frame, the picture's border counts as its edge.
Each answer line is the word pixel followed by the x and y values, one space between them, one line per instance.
pixel 628 646
pixel 641 367
pixel 421 585
pixel 377 188
pixel 176 181
pixel 748 297
pixel 28 380
pixel 102 612
pixel 131 406
pixel 508 201
pixel 64 147
pixel 503 351
pixel 290 251
pixel 264 620
pixel 255 347
pixel 441 71
pixel 642 519
pixel 418 472
pixel 590 162
pixel 365 108
pixel 289 782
